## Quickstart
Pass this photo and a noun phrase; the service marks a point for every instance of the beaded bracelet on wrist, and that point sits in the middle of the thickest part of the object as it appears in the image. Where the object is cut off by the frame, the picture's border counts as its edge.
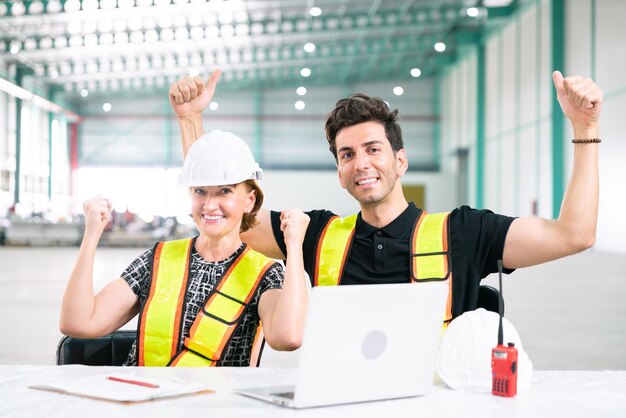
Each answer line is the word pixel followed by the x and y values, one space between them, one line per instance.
pixel 586 141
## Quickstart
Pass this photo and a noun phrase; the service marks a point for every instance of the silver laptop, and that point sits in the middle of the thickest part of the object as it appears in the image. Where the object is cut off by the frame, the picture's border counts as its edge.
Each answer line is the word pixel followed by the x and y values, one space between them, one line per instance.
pixel 365 343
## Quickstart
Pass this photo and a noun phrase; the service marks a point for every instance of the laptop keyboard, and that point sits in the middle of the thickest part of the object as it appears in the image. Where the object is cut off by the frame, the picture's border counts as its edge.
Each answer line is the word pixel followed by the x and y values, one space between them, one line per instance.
pixel 288 395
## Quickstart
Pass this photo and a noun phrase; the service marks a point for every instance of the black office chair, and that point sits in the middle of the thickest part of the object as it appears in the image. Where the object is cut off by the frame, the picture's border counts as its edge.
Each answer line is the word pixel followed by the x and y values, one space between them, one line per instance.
pixel 489 298
pixel 110 350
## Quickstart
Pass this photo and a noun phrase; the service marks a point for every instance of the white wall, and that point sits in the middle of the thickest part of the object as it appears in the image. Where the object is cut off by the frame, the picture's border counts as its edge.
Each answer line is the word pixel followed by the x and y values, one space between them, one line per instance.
pixel 518 105
pixel 7 149
pixel 610 67
pixel 517 163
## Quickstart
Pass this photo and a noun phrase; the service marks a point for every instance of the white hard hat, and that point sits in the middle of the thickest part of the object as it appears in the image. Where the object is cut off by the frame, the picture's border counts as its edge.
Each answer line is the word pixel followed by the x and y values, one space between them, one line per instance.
pixel 464 358
pixel 219 158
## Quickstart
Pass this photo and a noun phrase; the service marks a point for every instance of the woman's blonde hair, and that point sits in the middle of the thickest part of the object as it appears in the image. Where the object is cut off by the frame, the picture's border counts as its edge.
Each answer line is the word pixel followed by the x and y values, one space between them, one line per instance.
pixel 249 219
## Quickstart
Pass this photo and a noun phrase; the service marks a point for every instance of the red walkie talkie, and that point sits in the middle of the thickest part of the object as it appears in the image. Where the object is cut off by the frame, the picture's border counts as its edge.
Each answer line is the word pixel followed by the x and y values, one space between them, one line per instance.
pixel 503 359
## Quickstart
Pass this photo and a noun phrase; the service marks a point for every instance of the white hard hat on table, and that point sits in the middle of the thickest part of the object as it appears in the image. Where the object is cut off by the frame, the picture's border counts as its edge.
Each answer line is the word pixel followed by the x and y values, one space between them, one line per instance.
pixel 464 358
pixel 219 158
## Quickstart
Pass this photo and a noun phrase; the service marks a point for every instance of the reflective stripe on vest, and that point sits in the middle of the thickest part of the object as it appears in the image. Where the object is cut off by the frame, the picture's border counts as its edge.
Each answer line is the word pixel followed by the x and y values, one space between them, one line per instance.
pixel 213 326
pixel 216 322
pixel 161 315
pixel 429 258
pixel 334 243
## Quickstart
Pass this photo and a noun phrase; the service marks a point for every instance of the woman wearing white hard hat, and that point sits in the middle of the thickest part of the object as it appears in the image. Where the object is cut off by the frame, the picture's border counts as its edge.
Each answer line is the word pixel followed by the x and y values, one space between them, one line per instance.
pixel 204 301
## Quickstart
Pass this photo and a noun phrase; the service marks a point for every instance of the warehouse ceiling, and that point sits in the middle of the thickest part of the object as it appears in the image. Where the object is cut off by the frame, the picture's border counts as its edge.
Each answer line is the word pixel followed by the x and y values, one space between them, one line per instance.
pixel 107 46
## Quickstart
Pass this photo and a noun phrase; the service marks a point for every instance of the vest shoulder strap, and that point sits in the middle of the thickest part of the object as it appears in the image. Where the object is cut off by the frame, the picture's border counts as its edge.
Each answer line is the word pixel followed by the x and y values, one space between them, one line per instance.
pixel 160 320
pixel 334 241
pixel 430 258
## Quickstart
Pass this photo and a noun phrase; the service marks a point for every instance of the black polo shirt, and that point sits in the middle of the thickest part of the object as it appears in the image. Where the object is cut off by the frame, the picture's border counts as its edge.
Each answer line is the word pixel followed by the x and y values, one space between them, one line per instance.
pixel 381 255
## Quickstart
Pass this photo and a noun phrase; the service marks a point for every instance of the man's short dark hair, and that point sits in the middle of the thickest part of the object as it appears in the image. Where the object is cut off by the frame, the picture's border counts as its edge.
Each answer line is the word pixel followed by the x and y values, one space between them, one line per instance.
pixel 359 108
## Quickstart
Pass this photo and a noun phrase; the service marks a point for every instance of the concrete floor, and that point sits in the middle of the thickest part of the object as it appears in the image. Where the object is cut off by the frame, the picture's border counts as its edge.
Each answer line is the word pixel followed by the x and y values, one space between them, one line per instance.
pixel 570 313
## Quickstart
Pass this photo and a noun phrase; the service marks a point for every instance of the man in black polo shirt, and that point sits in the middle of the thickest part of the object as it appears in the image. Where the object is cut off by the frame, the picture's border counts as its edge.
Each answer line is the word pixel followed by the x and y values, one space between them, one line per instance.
pixel 366 142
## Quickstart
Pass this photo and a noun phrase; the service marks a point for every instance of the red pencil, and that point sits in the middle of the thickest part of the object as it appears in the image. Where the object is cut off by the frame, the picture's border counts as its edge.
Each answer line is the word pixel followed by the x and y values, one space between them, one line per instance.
pixel 133 381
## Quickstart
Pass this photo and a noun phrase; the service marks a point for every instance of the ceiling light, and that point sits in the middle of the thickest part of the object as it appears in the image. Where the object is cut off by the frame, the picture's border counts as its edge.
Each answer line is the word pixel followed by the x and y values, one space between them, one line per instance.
pixel 212 32
pixel 305 72
pixel 135 24
pixel 164 22
pixel 440 47
pixel 315 11
pixel 167 35
pixel 398 91
pixel 136 37
pixel 497 3
pixel 149 22
pixel 301 91
pixel 119 26
pixel 36 7
pixel 121 38
pixel 19 9
pixel 227 31
pixel 196 33
pixel 472 11
pixel 54 6
pixel 299 105
pixel 242 29
pixel 180 22
pixel 214 105
pixel 84 93
pixel 151 36
pixel 90 39
pixel 181 34
pixel 15 48
pixel 226 18
pixel 72 6
pixel 309 47
pixel 106 107
pixel 45 42
pixel 60 42
pixel 416 72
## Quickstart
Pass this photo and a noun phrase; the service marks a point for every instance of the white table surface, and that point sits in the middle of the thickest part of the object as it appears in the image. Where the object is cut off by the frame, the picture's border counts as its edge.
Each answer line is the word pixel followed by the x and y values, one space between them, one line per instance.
pixel 553 394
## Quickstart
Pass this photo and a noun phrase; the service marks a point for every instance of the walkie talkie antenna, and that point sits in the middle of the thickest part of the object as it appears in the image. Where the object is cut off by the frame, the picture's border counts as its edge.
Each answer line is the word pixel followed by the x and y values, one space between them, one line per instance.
pixel 500 303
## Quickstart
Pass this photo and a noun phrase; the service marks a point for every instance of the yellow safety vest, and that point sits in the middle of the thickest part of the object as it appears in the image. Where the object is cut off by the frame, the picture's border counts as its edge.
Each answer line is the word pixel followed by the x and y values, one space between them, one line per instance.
pixel 429 258
pixel 160 321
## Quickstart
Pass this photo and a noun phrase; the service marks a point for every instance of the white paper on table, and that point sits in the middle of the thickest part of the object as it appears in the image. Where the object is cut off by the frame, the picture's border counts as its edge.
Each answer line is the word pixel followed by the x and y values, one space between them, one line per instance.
pixel 101 387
